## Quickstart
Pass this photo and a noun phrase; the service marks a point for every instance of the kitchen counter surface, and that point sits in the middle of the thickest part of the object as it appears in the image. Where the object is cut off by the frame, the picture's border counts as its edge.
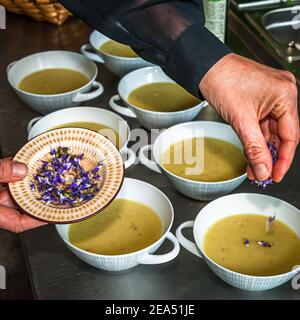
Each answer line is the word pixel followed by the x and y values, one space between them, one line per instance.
pixel 53 271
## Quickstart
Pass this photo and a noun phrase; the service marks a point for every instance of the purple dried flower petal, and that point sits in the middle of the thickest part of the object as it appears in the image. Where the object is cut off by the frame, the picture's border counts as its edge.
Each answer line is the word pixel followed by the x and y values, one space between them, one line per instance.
pixel 53 152
pixel 97 168
pixel 271 219
pixel 264 244
pixel 247 243
pixel 76 160
pixel 273 150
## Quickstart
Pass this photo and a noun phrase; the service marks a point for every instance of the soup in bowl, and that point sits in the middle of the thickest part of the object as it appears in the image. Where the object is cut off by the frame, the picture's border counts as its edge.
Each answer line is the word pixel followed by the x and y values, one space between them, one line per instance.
pixel 117 58
pixel 202 159
pixel 53 80
pixel 126 233
pixel 104 121
pixel 242 244
pixel 154 99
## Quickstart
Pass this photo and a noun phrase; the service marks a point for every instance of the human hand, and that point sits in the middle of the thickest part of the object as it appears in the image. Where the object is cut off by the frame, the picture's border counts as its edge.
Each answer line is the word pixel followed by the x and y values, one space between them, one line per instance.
pixel 10 218
pixel 260 103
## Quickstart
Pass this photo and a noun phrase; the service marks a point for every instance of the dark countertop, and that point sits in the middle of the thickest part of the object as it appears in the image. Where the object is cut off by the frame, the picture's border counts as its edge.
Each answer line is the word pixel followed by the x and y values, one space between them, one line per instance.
pixel 248 27
pixel 53 271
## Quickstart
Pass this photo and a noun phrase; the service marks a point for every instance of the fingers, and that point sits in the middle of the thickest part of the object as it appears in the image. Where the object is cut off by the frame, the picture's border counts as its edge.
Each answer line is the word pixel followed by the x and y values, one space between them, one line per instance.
pixel 12 220
pixel 285 157
pixel 11 171
pixel 255 147
pixel 264 126
pixel 250 174
pixel 288 133
pixel 265 129
pixel 5 199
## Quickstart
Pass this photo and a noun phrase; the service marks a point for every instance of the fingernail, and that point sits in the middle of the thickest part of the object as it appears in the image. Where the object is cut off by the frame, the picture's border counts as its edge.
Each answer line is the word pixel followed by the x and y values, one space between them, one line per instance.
pixel 19 169
pixel 261 172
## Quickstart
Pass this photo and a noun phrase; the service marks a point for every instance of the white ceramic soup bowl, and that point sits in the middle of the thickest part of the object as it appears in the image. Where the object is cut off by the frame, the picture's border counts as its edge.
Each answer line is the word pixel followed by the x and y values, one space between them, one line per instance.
pixel 39 125
pixel 146 194
pixel 149 119
pixel 117 65
pixel 46 103
pixel 243 203
pixel 194 189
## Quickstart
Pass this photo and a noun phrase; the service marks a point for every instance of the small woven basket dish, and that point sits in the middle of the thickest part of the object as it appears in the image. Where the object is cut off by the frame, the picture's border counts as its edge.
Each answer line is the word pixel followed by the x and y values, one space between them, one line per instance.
pixel 95 147
pixel 41 10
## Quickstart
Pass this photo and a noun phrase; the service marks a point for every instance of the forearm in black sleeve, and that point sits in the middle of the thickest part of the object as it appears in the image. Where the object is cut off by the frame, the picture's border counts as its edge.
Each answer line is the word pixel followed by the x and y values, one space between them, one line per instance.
pixel 168 33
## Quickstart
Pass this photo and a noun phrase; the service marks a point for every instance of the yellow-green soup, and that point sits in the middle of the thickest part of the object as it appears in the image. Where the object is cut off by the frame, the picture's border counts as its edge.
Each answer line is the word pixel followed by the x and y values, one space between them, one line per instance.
pixel 224 243
pixel 222 160
pixel 53 81
pixel 123 227
pixel 162 97
pixel 115 48
pixel 108 132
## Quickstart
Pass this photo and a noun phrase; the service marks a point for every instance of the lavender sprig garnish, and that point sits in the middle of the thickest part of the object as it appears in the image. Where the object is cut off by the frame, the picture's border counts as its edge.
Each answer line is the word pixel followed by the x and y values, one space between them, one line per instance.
pixel 62 181
pixel 269 181
pixel 247 243
pixel 261 243
pixel 270 223
pixel 264 244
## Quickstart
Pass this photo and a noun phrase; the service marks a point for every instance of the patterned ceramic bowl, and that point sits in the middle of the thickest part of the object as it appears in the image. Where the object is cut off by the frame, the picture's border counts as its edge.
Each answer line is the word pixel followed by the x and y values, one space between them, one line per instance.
pixel 155 199
pixel 44 103
pixel 193 189
pixel 117 65
pixel 243 203
pixel 149 119
pixel 39 125
pixel 95 147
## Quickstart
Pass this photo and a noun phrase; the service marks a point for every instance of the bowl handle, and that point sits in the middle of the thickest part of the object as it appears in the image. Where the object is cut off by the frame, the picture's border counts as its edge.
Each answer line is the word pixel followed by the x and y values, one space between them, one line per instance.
pixel 162 258
pixel 122 110
pixel 150 164
pixel 80 97
pixel 204 104
pixel 187 244
pixel 32 122
pixel 86 51
pixel 131 157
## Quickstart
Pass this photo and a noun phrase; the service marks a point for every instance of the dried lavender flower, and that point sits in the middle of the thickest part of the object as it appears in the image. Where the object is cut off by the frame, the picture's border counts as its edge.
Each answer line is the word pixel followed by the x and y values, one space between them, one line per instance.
pixel 264 244
pixel 271 219
pixel 247 243
pixel 62 181
pixel 262 184
pixel 270 223
pixel 273 150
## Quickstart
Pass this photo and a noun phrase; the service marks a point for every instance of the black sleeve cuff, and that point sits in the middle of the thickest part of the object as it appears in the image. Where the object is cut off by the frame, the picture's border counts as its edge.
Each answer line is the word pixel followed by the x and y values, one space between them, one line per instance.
pixel 193 54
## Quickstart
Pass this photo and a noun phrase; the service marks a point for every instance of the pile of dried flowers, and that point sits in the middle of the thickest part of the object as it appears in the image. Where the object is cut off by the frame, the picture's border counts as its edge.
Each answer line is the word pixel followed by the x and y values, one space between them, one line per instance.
pixel 62 181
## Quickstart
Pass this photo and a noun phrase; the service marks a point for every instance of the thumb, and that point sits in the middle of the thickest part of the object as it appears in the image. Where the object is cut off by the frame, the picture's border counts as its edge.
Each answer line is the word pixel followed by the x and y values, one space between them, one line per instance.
pixel 255 147
pixel 11 171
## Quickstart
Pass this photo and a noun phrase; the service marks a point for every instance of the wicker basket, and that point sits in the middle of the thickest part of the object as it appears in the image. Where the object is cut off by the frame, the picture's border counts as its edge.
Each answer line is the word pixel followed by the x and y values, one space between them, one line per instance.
pixel 40 10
